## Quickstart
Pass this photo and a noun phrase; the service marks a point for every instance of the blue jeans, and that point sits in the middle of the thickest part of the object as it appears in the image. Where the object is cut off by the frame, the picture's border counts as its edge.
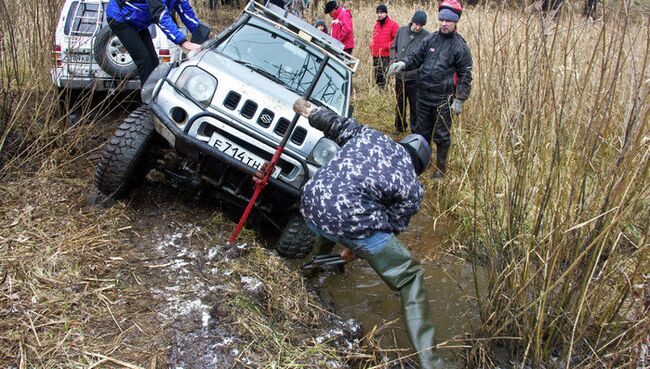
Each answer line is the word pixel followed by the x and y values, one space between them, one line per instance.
pixel 362 247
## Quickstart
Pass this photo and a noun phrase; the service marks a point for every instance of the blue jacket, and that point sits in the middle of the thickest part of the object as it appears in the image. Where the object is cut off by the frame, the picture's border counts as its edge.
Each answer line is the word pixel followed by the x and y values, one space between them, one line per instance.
pixel 369 186
pixel 143 13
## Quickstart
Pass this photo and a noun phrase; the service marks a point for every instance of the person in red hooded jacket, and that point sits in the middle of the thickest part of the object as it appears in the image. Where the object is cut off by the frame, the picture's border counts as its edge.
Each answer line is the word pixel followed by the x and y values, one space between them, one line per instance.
pixel 382 38
pixel 342 29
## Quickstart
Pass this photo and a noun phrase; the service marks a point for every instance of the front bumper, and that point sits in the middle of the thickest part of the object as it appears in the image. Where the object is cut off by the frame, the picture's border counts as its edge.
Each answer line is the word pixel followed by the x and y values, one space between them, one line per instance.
pixel 193 148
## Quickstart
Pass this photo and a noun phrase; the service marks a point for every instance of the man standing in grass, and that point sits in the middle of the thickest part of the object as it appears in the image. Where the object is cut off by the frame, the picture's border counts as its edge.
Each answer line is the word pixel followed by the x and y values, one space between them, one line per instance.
pixel 363 198
pixel 341 25
pixel 444 82
pixel 382 37
pixel 407 41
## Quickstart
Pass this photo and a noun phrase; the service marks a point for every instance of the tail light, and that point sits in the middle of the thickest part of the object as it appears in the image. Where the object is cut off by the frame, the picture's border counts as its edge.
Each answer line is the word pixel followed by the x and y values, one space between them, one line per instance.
pixel 165 55
pixel 56 55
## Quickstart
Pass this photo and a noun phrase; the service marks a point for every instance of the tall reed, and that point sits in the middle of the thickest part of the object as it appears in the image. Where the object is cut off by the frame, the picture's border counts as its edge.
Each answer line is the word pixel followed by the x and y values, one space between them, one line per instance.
pixel 549 178
pixel 553 157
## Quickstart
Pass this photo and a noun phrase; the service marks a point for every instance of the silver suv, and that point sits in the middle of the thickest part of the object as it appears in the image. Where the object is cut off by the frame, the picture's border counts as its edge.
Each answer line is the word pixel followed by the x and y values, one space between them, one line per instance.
pixel 215 119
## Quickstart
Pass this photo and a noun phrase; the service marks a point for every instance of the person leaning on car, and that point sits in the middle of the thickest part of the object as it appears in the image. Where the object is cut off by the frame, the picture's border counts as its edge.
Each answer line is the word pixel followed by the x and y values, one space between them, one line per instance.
pixel 129 20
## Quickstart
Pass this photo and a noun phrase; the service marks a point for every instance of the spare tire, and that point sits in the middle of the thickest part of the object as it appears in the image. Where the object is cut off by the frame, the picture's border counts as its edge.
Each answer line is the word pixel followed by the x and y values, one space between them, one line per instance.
pixel 112 56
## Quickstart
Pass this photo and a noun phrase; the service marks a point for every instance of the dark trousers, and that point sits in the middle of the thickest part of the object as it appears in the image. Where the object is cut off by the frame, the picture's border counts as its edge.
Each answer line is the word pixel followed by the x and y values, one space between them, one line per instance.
pixel 139 45
pixel 349 51
pixel 433 118
pixel 406 94
pixel 380 64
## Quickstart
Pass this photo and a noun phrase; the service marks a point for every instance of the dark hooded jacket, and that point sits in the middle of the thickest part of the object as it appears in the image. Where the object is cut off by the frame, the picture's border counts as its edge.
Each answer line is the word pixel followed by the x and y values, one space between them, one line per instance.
pixel 440 57
pixel 369 186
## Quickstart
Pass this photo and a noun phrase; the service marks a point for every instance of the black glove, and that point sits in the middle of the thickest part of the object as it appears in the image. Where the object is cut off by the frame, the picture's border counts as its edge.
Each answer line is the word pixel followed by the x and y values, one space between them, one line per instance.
pixel 201 34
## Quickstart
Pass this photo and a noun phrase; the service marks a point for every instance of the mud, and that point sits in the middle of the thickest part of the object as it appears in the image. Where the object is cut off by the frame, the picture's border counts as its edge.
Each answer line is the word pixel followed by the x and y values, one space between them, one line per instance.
pixel 360 294
pixel 181 272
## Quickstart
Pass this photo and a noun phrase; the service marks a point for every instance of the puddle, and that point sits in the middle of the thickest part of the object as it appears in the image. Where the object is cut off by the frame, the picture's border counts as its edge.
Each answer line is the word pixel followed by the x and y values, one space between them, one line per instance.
pixel 360 294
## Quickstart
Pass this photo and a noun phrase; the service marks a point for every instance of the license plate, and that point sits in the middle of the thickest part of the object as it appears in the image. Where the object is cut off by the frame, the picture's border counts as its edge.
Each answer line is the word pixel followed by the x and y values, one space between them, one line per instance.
pixel 78 58
pixel 238 153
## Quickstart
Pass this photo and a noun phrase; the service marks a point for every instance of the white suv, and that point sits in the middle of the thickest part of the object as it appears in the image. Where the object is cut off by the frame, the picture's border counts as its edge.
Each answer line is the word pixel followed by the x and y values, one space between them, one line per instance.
pixel 88 55
pixel 212 121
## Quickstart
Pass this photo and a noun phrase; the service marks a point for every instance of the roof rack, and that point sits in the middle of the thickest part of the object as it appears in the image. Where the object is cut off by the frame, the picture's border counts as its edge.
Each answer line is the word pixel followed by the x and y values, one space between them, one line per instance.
pixel 303 29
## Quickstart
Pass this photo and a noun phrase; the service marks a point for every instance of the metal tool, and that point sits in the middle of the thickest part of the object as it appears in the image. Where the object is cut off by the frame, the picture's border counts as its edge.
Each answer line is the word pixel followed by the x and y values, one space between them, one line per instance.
pixel 324 261
pixel 261 178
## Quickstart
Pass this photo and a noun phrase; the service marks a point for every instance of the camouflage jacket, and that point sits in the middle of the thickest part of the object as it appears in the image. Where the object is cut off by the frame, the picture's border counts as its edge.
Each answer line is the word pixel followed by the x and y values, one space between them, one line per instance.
pixel 369 186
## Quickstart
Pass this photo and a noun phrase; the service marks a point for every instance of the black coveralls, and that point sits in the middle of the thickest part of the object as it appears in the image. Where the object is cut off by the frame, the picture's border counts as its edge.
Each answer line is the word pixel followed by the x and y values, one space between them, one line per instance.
pixel 439 58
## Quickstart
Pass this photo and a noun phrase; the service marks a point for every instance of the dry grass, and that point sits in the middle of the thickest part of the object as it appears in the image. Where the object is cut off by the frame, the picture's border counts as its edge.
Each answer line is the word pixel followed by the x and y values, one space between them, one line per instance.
pixel 549 180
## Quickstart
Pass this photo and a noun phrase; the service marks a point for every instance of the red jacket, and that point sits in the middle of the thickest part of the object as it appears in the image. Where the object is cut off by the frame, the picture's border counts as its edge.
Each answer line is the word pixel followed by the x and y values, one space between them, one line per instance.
pixel 382 37
pixel 342 27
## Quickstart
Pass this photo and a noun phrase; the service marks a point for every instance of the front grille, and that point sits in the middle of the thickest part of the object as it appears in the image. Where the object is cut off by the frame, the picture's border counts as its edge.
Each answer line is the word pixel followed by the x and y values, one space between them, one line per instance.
pixel 266 118
pixel 249 109
pixel 282 126
pixel 298 136
pixel 232 100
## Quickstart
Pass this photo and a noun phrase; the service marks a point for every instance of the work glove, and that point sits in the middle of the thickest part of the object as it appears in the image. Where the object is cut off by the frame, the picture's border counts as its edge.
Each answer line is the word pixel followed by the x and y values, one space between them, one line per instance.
pixel 395 68
pixel 457 106
pixel 304 107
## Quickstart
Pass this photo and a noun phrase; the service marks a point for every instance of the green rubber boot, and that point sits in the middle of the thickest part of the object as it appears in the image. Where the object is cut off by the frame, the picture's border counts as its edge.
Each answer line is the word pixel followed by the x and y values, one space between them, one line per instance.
pixel 403 273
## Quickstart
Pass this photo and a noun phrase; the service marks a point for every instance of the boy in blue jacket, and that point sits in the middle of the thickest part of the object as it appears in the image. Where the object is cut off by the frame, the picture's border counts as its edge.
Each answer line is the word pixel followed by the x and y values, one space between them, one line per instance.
pixel 129 20
pixel 363 198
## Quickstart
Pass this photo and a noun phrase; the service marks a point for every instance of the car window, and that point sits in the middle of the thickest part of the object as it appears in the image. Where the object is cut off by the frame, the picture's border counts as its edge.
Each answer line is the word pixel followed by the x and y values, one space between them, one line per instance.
pixel 82 18
pixel 292 64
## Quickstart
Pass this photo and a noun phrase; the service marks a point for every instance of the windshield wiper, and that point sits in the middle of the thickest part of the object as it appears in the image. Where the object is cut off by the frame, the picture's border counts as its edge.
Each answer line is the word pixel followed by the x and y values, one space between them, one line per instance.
pixel 263 72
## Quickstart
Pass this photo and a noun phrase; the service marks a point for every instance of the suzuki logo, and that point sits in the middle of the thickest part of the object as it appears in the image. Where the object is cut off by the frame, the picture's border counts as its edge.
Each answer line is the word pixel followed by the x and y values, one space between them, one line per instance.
pixel 266 119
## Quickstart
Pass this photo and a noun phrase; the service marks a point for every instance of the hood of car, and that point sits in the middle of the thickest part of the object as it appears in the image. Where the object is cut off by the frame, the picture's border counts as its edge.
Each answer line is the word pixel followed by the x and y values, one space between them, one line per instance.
pixel 258 102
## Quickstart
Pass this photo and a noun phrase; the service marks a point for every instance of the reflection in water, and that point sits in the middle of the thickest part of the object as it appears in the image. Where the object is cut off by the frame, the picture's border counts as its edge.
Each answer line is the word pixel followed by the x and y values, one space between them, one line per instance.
pixel 359 292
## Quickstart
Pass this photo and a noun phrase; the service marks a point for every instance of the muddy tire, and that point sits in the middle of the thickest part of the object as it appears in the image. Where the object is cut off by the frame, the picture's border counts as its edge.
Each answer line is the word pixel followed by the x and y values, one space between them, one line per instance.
pixel 112 56
pixel 297 240
pixel 125 161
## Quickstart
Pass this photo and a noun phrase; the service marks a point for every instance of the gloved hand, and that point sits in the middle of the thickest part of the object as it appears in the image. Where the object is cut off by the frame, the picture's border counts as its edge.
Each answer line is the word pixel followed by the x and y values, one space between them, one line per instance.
pixel 395 68
pixel 457 106
pixel 304 107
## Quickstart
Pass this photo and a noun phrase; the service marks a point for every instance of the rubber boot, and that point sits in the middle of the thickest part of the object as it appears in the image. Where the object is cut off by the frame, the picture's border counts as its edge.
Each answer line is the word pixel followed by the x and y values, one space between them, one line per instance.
pixel 403 273
pixel 441 161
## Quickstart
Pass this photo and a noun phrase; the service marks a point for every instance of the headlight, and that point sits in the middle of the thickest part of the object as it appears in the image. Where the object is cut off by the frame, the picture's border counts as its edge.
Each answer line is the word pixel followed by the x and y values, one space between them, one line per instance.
pixel 323 152
pixel 161 71
pixel 197 83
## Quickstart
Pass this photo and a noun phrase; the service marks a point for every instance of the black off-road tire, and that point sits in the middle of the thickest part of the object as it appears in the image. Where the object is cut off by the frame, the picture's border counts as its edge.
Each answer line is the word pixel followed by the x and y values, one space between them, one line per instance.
pixel 297 240
pixel 125 161
pixel 101 49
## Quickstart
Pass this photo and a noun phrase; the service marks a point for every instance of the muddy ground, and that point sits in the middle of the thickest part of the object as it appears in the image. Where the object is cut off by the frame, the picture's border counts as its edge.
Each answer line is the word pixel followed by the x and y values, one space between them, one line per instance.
pixel 148 282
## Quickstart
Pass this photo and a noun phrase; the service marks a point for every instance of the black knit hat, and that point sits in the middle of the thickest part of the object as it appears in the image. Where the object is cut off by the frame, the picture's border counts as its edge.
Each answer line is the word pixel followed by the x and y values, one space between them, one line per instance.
pixel 420 17
pixel 381 8
pixel 330 5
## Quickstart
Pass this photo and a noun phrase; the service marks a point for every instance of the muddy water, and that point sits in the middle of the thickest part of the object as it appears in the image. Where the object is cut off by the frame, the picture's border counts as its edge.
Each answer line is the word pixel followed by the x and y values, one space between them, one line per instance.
pixel 359 293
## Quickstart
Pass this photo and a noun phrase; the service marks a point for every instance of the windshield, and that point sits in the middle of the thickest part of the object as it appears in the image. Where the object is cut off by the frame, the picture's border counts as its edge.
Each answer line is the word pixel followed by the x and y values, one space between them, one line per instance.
pixel 289 63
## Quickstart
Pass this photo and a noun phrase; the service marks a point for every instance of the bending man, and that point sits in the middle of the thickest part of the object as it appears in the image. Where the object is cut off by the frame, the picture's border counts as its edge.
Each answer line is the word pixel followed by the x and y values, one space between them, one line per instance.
pixel 363 198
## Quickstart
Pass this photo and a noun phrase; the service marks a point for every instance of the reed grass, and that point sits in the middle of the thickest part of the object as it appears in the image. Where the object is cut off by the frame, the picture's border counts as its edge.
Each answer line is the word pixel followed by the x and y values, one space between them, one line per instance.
pixel 548 181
